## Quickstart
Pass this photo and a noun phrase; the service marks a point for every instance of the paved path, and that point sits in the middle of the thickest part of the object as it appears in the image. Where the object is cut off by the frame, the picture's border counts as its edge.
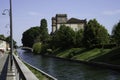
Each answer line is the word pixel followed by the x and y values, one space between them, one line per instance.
pixel 5 73
pixel 3 66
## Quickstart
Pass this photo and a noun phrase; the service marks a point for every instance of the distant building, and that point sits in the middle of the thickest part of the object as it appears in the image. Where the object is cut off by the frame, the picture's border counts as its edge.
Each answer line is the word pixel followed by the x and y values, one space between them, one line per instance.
pixel 61 19
pixel 3 46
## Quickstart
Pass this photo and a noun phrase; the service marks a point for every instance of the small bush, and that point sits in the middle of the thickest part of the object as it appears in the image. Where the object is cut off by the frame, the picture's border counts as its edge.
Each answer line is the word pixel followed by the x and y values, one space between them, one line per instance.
pixel 49 51
pixel 37 48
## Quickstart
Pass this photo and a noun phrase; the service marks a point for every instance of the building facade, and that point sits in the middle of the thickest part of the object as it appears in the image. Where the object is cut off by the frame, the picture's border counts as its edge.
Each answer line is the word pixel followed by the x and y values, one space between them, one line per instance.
pixel 61 19
pixel 3 45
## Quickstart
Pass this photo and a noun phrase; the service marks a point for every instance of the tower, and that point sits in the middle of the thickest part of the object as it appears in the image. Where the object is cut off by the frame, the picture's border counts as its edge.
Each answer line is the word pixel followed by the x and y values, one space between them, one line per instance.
pixel 53 24
pixel 57 21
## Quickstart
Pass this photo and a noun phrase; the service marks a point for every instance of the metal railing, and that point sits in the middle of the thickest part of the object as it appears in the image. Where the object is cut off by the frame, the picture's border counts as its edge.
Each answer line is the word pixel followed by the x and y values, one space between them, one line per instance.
pixel 21 71
pixel 42 72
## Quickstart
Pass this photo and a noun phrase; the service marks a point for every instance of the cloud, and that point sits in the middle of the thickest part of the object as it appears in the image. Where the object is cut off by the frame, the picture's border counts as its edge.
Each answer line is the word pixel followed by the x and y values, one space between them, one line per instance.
pixel 34 13
pixel 112 12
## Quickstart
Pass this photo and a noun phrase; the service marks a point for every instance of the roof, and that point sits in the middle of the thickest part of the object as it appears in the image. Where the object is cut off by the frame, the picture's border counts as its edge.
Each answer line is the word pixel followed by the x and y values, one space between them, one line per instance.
pixel 53 17
pixel 74 20
pixel 61 15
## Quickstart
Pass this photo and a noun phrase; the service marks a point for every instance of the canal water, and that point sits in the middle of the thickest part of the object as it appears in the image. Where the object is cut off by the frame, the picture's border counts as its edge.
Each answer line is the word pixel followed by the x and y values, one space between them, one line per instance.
pixel 68 70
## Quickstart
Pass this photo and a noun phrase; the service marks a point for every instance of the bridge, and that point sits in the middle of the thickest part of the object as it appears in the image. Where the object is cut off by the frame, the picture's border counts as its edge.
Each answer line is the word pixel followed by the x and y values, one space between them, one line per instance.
pixel 19 70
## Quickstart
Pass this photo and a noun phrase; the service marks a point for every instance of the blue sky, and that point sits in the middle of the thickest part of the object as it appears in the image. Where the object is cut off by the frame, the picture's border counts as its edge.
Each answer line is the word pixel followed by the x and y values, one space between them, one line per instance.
pixel 28 13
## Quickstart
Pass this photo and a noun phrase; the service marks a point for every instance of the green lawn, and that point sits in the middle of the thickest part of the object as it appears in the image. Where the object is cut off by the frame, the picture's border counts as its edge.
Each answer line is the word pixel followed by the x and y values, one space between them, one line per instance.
pixel 82 54
pixel 91 54
pixel 69 52
pixel 86 56
pixel 112 57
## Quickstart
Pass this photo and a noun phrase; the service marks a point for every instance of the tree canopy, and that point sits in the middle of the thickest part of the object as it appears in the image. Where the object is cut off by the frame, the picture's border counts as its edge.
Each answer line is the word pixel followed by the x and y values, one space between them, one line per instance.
pixel 2 37
pixel 43 31
pixel 64 37
pixel 95 34
pixel 79 37
pixel 116 33
pixel 30 35
pixel 36 34
pixel 9 41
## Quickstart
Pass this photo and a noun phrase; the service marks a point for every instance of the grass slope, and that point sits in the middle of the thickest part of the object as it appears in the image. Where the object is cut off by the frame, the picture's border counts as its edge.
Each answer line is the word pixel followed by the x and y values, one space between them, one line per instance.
pixel 90 54
pixel 69 52
pixel 38 74
pixel 82 54
pixel 112 57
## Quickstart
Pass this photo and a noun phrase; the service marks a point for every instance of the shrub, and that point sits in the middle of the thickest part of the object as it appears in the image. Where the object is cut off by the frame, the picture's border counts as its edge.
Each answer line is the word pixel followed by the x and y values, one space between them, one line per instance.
pixel 37 47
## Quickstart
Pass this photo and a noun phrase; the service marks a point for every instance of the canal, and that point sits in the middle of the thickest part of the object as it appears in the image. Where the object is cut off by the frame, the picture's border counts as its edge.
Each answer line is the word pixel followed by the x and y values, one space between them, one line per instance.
pixel 68 70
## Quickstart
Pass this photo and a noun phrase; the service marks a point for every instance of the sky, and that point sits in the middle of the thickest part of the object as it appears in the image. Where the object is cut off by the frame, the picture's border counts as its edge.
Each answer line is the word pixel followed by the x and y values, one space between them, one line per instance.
pixel 28 13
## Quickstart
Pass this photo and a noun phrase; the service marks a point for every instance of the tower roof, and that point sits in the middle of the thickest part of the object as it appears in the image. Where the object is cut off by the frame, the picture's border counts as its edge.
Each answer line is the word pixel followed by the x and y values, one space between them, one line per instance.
pixel 53 18
pixel 61 15
pixel 74 20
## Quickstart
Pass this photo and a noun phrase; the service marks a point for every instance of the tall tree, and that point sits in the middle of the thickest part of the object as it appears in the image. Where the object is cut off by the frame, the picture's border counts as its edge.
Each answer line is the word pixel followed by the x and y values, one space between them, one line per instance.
pixel 95 34
pixel 116 33
pixel 43 31
pixel 29 36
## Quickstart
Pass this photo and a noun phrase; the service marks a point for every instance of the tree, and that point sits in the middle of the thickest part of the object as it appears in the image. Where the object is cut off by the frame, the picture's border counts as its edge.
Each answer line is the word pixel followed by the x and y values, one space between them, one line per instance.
pixel 64 37
pixel 37 48
pixel 2 37
pixel 116 33
pixel 9 41
pixel 102 35
pixel 43 31
pixel 95 34
pixel 79 37
pixel 29 36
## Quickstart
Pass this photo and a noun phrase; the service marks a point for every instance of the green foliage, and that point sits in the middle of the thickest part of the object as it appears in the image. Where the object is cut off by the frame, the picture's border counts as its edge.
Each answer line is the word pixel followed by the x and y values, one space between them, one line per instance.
pixel 29 36
pixel 49 51
pixel 68 53
pixel 43 31
pixel 37 48
pixel 35 35
pixel 64 37
pixel 95 34
pixel 44 48
pixel 9 41
pixel 79 37
pixel 2 37
pixel 88 54
pixel 37 73
pixel 111 57
pixel 116 33
pixel 82 53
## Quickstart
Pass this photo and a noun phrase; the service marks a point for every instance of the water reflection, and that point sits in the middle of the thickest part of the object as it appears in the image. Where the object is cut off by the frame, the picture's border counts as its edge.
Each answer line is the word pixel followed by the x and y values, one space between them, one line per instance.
pixel 67 70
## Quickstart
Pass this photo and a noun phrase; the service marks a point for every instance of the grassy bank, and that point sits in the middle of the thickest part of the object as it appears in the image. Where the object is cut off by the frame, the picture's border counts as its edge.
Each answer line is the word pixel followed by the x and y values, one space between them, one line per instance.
pixel 82 54
pixel 111 56
pixel 91 54
pixel 37 73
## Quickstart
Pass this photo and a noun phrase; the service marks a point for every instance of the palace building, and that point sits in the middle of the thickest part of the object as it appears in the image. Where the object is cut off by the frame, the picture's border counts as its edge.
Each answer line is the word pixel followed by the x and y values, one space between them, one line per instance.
pixel 61 19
